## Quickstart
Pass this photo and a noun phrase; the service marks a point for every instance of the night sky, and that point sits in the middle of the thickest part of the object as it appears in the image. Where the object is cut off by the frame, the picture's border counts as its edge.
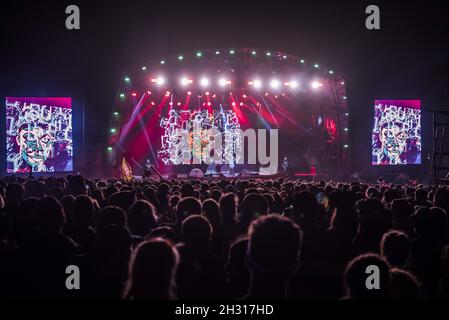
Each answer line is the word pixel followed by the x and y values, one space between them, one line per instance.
pixel 407 59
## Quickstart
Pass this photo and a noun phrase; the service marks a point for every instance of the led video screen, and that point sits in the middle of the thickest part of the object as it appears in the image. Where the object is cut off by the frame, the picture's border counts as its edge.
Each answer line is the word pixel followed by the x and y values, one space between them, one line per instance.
pixel 396 137
pixel 39 134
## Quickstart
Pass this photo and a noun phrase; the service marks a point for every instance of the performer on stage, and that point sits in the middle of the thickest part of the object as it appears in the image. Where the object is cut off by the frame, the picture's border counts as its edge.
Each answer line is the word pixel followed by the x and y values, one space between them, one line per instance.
pixel 284 166
pixel 147 169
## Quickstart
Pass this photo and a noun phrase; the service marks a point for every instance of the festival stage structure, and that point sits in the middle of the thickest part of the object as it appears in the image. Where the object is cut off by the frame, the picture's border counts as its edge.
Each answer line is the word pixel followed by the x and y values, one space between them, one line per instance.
pixel 230 91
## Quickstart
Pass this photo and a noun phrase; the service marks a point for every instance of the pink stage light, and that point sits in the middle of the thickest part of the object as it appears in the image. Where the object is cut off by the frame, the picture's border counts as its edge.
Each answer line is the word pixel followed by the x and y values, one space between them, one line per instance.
pixel 134 94
pixel 189 93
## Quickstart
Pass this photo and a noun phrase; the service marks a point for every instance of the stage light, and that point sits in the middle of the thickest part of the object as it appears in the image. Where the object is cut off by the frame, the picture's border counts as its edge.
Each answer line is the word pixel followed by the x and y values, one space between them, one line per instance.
pixel 346 146
pixel 162 61
pixel 149 92
pixel 167 93
pixel 284 56
pixel 170 103
pixel 115 113
pixel 214 96
pixel 223 82
pixel 134 94
pixel 255 83
pixel 294 84
pixel 253 53
pixel 331 71
pixel 109 148
pixel 199 54
pixel 153 103
pixel 342 83
pixel 189 92
pixel 302 61
pixel 241 104
pixel 233 104
pixel 268 54
pixel 113 130
pixel 122 95
pixel 144 68
pixel 217 52
pixel 231 51
pixel 179 103
pixel 275 83
pixel 207 93
pixel 159 80
pixel 347 114
pixel 346 129
pixel 316 65
pixel 266 94
pixel 180 58
pixel 244 96
pixel 344 98
pixel 316 84
pixel 209 104
pixel 204 82
pixel 127 79
pixel 186 81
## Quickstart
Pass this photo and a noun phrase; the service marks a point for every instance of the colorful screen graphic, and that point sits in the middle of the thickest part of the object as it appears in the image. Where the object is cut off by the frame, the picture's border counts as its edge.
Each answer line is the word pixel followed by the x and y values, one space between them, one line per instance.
pixel 396 135
pixel 39 134
pixel 190 137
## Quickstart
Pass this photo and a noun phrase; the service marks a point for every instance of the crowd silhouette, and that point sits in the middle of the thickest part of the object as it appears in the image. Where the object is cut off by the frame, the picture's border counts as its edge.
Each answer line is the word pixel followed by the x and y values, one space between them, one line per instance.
pixel 222 239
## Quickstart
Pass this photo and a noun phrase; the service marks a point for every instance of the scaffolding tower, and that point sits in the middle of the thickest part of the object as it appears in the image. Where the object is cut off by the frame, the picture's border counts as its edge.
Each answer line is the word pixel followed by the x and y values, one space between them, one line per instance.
pixel 440 151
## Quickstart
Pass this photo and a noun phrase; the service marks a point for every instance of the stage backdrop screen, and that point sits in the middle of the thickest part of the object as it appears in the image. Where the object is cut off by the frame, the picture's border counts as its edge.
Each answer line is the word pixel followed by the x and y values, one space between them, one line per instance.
pixel 396 137
pixel 39 134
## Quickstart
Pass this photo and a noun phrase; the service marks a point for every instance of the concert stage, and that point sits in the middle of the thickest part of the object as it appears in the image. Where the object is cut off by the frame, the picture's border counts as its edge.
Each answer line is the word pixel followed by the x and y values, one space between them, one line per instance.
pixel 255 112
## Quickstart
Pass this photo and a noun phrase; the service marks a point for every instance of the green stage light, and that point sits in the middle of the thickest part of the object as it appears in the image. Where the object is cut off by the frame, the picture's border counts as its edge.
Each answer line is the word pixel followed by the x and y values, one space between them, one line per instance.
pixel 199 54
pixel 113 130
pixel 109 148
pixel 127 79
pixel 122 95
pixel 115 113
pixel 302 61
pixel 316 65
pixel 180 58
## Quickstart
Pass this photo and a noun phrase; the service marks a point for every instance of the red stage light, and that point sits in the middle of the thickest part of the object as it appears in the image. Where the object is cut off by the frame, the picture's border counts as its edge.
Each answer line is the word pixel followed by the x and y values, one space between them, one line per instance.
pixel 207 93
pixel 153 103
pixel 209 104
pixel 149 92
pixel 189 93
pixel 241 104
pixel 244 96
pixel 134 94
pixel 179 103
pixel 233 104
